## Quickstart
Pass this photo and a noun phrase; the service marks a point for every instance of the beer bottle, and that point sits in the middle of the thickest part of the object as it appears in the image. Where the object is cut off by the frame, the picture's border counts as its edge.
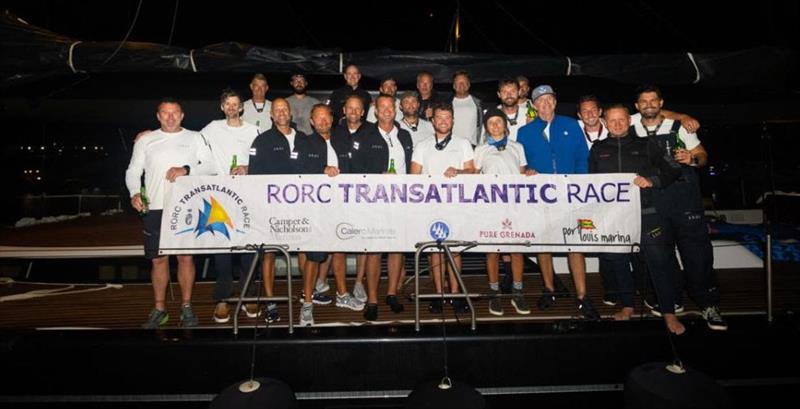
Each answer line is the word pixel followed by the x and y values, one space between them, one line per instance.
pixel 145 201
pixel 234 164
pixel 392 169
pixel 531 114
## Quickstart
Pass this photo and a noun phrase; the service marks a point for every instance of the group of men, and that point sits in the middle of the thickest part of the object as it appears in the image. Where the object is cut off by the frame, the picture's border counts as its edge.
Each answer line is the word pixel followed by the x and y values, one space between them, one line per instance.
pixel 425 132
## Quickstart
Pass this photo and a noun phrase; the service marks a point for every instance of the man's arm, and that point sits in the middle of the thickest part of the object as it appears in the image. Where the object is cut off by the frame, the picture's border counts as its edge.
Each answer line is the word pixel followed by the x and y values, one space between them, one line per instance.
pixel 691 124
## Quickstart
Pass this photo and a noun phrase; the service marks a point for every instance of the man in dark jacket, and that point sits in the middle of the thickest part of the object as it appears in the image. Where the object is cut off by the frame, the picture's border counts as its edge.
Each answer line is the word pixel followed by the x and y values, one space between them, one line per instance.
pixel 385 148
pixel 623 152
pixel 279 151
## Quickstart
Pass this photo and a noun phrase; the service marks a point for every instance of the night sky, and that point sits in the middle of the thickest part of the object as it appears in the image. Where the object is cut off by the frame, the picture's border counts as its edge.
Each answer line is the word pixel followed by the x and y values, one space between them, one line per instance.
pixel 544 28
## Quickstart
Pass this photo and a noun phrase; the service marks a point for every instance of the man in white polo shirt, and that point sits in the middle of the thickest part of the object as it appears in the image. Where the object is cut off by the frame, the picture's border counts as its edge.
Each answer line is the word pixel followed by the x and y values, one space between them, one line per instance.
pixel 448 156
pixel 420 129
pixel 257 109
pixel 467 112
pixel 230 140
pixel 164 155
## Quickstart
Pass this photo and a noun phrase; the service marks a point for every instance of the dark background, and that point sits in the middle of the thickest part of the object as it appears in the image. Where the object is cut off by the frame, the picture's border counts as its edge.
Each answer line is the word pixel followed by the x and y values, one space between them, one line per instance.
pixel 76 131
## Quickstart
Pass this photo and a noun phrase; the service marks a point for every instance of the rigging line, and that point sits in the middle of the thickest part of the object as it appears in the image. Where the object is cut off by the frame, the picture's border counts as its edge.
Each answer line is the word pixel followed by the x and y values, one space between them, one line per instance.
pixel 174 19
pixel 125 39
pixel 466 15
pixel 527 30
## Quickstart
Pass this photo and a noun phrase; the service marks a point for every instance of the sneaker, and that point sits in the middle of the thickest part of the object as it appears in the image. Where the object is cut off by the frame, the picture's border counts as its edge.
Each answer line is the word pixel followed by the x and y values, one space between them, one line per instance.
pixel 655 309
pixel 359 292
pixel 495 304
pixel 586 309
pixel 307 315
pixel 460 305
pixel 371 313
pixel 156 319
pixel 348 301
pixel 435 306
pixel 251 310
pixel 317 298
pixel 507 282
pixel 546 300
pixel 188 318
pixel 714 319
pixel 321 286
pixel 394 304
pixel 271 313
pixel 519 302
pixel 610 299
pixel 222 313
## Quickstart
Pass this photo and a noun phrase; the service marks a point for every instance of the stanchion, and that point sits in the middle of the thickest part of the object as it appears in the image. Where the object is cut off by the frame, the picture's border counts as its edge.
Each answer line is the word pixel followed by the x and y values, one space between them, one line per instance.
pixel 259 250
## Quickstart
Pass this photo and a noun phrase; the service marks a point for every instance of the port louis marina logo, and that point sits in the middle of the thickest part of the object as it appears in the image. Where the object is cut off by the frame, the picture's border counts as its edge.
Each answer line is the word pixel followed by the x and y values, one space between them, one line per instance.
pixel 210 210
pixel 507 231
pixel 587 231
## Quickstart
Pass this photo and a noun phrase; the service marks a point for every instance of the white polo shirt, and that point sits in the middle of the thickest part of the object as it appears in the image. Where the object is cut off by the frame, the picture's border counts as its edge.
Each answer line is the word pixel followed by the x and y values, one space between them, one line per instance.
pixel 435 162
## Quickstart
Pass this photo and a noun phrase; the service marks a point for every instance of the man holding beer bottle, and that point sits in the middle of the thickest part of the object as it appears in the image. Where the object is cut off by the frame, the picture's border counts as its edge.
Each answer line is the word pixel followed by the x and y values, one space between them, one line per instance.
pixel 230 141
pixel 164 155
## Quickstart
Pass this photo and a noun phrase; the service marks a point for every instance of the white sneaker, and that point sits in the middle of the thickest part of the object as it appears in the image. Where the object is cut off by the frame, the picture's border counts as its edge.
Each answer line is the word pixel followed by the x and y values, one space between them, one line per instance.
pixel 348 301
pixel 321 286
pixel 359 292
pixel 307 315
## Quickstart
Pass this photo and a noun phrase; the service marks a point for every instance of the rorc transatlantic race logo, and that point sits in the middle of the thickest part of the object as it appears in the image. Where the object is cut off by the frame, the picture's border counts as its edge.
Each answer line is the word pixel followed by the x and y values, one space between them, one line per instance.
pixel 210 211
pixel 507 231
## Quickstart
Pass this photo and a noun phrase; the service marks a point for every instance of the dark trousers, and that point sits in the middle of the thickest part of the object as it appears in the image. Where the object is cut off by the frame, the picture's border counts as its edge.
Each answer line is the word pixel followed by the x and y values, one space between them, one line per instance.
pixel 658 251
pixel 690 234
pixel 617 267
pixel 223 265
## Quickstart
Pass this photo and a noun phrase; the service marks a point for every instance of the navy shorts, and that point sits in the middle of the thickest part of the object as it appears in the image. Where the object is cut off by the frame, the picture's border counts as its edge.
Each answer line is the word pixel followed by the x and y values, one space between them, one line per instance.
pixel 152 233
pixel 316 256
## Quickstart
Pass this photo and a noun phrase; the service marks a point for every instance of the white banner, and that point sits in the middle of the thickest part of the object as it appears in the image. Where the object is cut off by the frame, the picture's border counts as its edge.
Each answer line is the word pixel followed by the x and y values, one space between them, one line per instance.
pixel 391 213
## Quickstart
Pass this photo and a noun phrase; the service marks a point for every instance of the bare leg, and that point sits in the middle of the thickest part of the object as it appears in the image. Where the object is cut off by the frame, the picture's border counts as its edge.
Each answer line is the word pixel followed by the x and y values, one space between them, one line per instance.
pixel 310 271
pixel 186 277
pixel 159 276
pixel 545 261
pixel 435 263
pixel 492 266
pixel 577 265
pixel 452 275
pixel 339 262
pixel 373 277
pixel 394 263
pixel 517 266
pixel 323 268
pixel 268 273
pixel 361 267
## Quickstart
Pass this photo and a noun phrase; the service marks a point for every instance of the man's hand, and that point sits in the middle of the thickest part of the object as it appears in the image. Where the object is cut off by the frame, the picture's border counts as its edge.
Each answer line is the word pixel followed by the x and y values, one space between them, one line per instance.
pixel 642 182
pixel 136 202
pixel 530 172
pixel 176 172
pixel 691 124
pixel 683 157
pixel 451 172
pixel 239 170
pixel 331 171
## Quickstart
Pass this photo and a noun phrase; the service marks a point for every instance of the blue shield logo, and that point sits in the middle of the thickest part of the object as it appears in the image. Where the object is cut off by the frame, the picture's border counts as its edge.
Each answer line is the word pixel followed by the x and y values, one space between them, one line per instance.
pixel 439 230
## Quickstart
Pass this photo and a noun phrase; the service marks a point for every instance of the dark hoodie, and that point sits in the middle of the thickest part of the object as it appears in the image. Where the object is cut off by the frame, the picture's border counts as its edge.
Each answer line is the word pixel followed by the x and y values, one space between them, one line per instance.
pixel 631 154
